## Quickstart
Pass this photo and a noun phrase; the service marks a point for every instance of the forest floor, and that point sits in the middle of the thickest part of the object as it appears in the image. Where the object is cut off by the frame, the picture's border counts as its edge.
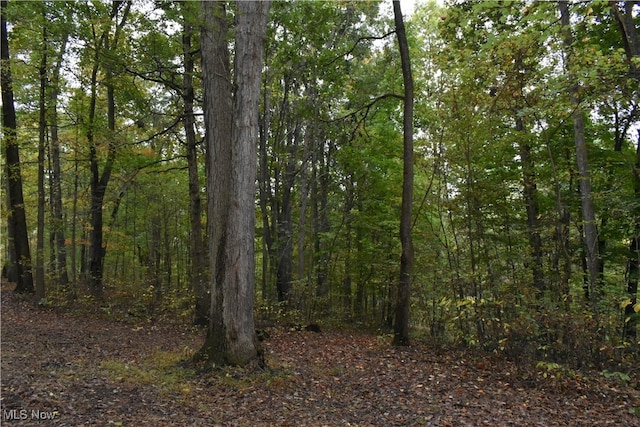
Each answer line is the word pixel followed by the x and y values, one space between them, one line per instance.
pixel 66 369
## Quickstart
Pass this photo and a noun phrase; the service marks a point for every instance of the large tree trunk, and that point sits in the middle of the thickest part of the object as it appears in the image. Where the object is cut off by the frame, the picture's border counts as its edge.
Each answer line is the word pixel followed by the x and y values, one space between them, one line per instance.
pixel 17 217
pixel 216 72
pixel 250 38
pixel 232 135
pixel 401 327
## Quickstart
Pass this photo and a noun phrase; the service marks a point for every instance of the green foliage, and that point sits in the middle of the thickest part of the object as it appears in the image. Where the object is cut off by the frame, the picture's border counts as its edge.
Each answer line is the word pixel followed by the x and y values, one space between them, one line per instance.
pixel 554 370
pixel 617 375
pixel 276 313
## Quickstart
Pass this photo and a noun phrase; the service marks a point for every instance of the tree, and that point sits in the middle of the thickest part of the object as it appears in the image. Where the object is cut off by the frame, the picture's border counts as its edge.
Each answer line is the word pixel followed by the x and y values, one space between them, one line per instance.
pixel 105 48
pixel 198 254
pixel 594 261
pixel 403 302
pixel 231 121
pixel 19 238
pixel 57 215
pixel 631 43
pixel 42 135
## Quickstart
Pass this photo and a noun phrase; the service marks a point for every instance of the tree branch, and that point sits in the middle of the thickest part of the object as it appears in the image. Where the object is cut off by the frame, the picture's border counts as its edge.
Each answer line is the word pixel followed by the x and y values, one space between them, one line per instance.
pixel 356 45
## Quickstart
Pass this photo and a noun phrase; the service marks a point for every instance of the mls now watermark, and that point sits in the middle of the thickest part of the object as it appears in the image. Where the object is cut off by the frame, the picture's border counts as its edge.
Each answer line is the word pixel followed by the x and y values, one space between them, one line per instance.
pixel 24 414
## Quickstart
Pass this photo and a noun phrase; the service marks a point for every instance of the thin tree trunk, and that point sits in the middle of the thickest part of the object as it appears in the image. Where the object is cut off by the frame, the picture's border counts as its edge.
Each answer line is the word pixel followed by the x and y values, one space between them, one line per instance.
pixel 14 178
pixel 99 181
pixel 74 221
pixel 349 204
pixel 284 268
pixel 42 135
pixel 633 264
pixel 320 195
pixel 56 173
pixel 198 267
pixel 631 40
pixel 629 32
pixel 10 265
pixel 401 327
pixel 264 186
pixel 532 208
pixel 588 211
pixel 309 145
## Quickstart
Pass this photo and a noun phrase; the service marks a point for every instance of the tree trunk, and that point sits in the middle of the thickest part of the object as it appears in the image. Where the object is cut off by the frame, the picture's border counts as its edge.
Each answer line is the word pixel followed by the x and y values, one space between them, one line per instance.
pixel 57 218
pixel 630 37
pixel 631 41
pixel 588 211
pixel 198 267
pixel 320 196
pixel 264 186
pixel 284 262
pixel 231 122
pixel 99 181
pixel 349 204
pixel 309 145
pixel 217 106
pixel 633 263
pixel 401 327
pixel 14 179
pixel 531 203
pixel 42 135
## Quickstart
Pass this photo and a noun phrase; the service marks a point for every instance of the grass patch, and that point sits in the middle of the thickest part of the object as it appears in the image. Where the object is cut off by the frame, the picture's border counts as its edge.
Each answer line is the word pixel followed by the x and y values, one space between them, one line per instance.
pixel 169 372
pixel 162 369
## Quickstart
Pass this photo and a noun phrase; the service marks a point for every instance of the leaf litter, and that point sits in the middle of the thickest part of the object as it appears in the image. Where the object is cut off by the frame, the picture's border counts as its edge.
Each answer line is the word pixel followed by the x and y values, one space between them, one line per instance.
pixel 66 369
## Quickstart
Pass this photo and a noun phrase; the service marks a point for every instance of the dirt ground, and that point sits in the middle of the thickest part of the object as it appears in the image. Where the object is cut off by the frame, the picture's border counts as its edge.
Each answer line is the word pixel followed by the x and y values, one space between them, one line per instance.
pixel 66 369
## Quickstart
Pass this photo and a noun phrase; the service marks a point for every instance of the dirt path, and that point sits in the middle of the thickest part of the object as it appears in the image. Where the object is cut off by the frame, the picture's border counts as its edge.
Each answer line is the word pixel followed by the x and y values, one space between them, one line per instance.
pixel 64 370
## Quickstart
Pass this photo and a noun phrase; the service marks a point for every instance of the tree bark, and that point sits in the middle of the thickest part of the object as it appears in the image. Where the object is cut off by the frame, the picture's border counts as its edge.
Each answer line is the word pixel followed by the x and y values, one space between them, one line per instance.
pixel 631 40
pixel 198 267
pixel 630 37
pixel 401 327
pixel 232 135
pixel 14 179
pixel 99 181
pixel 284 239
pixel 264 187
pixel 530 193
pixel 56 173
pixel 630 330
pixel 320 196
pixel 42 135
pixel 591 241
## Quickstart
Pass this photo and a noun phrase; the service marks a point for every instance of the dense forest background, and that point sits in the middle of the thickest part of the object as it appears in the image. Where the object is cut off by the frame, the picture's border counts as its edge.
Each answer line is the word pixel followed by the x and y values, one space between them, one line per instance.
pixel 526 215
